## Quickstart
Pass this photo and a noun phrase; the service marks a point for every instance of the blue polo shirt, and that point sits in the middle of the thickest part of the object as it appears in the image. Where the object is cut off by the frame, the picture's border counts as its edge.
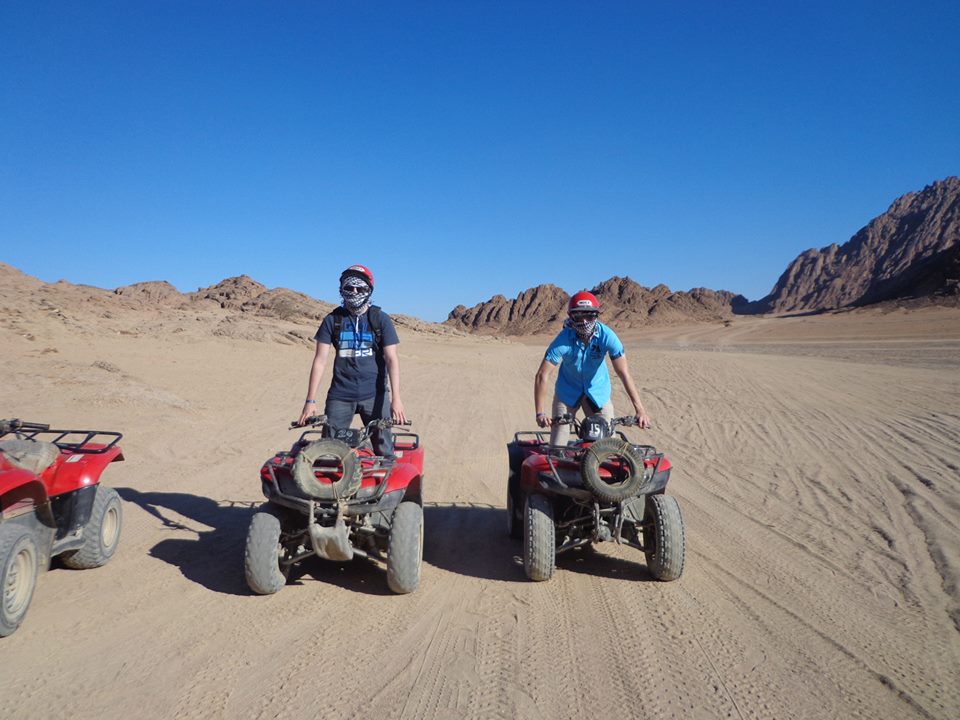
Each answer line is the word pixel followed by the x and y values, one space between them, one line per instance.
pixel 582 369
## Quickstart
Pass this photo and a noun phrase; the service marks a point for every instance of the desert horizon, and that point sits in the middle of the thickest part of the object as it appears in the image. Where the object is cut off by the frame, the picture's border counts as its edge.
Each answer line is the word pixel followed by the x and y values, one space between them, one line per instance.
pixel 815 463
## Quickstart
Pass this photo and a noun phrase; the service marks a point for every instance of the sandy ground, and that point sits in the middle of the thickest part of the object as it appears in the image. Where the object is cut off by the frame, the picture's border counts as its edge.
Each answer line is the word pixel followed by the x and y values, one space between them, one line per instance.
pixel 816 464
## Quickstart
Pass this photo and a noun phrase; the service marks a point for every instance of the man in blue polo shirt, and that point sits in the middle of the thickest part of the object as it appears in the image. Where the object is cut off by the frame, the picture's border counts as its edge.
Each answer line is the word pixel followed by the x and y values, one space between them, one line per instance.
pixel 365 344
pixel 583 381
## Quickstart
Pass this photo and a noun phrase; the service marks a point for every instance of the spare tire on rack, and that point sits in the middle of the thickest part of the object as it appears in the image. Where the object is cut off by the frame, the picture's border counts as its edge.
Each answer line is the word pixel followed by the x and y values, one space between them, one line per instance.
pixel 347 461
pixel 599 453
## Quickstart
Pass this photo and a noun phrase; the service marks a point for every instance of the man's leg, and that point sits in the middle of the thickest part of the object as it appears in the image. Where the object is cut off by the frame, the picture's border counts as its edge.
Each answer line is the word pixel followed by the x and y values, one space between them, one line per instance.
pixel 560 434
pixel 339 415
pixel 606 411
pixel 378 408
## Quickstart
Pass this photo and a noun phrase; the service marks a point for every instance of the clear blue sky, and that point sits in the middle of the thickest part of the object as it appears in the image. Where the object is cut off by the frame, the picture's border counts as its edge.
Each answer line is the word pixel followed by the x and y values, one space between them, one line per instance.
pixel 462 149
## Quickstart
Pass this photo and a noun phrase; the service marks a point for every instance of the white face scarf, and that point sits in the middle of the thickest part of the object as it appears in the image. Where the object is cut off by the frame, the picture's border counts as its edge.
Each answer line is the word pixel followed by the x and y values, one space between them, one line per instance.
pixel 356 303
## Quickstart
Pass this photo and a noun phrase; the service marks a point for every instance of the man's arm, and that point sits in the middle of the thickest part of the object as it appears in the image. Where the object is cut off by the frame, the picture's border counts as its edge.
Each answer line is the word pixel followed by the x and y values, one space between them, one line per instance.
pixel 540 383
pixel 316 372
pixel 623 372
pixel 392 362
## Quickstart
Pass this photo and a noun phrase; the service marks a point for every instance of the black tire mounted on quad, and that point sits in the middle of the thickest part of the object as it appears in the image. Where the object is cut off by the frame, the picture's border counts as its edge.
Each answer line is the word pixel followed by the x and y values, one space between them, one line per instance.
pixel 303 469
pixel 601 451
pixel 405 551
pixel 261 558
pixel 663 537
pixel 101 536
pixel 539 538
pixel 19 566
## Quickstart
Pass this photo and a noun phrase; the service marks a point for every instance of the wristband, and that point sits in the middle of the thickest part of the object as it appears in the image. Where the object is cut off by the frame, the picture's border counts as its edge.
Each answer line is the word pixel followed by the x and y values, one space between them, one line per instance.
pixel 540 413
pixel 309 402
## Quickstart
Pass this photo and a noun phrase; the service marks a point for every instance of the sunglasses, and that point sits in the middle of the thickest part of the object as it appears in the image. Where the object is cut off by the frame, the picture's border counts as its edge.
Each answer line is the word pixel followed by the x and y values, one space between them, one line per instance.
pixel 584 315
pixel 354 289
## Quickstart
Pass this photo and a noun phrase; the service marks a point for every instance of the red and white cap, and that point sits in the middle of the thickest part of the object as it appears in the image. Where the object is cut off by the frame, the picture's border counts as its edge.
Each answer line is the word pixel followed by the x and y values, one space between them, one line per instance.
pixel 583 302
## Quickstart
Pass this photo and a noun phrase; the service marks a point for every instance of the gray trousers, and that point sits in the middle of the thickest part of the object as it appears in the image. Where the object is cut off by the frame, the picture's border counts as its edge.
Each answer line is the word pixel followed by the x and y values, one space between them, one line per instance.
pixel 340 414
pixel 560 434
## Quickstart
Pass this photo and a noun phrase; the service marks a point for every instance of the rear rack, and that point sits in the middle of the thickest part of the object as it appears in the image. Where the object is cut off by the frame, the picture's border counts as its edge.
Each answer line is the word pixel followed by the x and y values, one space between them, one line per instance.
pixel 91 442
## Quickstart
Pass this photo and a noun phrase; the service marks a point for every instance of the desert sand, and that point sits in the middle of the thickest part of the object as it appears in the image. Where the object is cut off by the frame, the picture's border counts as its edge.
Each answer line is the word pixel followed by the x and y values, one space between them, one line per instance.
pixel 816 465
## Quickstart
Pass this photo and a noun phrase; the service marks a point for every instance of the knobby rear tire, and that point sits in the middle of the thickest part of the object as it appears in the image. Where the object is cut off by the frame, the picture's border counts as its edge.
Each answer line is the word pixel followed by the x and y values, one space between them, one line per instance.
pixel 19 567
pixel 101 536
pixel 663 537
pixel 261 557
pixel 405 551
pixel 539 539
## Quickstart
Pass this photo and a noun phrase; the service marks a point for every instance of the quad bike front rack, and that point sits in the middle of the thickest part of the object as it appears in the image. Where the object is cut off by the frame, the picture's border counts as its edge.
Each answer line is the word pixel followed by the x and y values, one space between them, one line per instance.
pixel 92 442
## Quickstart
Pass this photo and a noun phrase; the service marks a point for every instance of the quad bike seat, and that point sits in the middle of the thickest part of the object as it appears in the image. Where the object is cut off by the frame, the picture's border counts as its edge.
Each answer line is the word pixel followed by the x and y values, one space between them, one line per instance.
pixel 33 455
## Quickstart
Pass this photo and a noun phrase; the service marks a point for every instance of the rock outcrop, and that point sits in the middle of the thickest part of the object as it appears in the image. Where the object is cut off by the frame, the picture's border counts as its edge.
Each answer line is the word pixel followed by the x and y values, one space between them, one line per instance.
pixel 625 304
pixel 911 251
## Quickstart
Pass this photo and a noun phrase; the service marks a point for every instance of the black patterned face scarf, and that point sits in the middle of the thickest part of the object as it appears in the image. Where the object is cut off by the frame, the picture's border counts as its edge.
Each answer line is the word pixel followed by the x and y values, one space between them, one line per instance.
pixel 356 295
pixel 583 324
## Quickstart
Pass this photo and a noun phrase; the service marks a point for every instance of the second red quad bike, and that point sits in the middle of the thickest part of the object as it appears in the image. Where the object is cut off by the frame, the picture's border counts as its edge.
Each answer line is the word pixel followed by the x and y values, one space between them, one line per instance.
pixel 335 498
pixel 598 488
pixel 52 504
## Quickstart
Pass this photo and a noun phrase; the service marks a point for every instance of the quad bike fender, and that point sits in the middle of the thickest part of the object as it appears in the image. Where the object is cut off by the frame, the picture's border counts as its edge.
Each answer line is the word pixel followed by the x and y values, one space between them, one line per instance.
pixel 410 454
pixel 22 493
pixel 407 478
pixel 79 470
pixel 658 483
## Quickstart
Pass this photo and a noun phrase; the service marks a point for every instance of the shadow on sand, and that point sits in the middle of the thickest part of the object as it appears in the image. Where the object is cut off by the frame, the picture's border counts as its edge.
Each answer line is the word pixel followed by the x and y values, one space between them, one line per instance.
pixel 465 538
pixel 471 539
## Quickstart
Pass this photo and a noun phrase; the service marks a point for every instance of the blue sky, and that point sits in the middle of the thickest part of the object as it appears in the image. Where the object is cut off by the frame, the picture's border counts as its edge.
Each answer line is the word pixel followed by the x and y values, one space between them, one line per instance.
pixel 462 149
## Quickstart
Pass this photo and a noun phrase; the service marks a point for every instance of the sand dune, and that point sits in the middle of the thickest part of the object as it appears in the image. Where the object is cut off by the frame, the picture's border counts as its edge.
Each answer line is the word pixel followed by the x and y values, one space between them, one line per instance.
pixel 817 469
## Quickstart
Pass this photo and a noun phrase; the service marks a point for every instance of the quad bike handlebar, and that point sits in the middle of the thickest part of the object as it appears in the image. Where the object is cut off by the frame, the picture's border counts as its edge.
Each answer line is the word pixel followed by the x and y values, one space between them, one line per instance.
pixel 318 421
pixel 568 419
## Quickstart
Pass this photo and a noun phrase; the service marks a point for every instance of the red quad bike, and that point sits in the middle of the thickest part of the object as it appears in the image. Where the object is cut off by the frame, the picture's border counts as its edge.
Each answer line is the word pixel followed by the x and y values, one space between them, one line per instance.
pixel 597 488
pixel 333 497
pixel 52 503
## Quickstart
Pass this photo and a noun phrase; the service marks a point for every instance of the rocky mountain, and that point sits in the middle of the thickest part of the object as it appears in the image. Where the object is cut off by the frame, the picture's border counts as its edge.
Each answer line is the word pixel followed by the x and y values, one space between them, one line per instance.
pixel 625 303
pixel 535 310
pixel 910 251
pixel 241 294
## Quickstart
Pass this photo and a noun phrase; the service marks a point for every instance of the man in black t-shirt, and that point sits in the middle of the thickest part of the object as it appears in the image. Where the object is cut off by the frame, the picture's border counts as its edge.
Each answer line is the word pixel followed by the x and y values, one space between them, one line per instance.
pixel 366 371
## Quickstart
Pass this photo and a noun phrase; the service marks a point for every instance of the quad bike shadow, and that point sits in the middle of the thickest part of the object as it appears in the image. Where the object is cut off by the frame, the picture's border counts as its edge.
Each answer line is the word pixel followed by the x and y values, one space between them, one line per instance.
pixel 217 528
pixel 465 539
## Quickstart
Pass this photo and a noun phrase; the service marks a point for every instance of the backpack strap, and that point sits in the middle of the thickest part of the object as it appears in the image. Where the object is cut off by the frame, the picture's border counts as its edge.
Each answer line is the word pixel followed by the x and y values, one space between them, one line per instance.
pixel 375 321
pixel 337 325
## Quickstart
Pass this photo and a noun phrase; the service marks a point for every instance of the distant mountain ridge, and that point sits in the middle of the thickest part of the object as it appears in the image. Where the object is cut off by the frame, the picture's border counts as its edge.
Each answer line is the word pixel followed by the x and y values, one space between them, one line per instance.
pixel 627 303
pixel 910 251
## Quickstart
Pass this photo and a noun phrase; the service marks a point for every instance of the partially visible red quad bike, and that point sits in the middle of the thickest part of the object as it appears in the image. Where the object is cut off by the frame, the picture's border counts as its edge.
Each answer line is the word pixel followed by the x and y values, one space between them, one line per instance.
pixel 334 498
pixel 52 504
pixel 599 487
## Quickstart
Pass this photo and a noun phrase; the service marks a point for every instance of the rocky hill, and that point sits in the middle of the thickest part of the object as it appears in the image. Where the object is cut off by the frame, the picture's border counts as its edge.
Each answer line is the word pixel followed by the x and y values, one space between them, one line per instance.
pixel 625 302
pixel 238 307
pixel 910 251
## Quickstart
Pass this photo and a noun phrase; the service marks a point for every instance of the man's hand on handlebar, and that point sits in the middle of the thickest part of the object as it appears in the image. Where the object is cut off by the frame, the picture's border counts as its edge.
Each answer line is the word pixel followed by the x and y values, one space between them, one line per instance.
pixel 308 419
